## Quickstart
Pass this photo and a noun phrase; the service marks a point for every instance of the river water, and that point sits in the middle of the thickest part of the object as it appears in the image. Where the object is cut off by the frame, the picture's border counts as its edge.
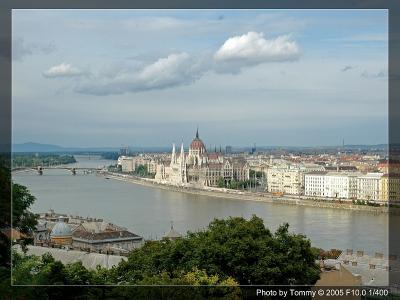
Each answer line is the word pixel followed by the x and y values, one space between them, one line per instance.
pixel 148 211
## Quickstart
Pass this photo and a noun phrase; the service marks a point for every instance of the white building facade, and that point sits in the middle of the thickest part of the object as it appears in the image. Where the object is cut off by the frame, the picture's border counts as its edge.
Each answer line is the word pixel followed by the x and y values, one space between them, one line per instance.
pixel 368 186
pixel 342 185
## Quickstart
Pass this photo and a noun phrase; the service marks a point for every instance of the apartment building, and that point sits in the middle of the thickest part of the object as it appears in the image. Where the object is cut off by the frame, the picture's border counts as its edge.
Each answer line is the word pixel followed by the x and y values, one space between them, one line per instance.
pixel 331 184
pixel 368 186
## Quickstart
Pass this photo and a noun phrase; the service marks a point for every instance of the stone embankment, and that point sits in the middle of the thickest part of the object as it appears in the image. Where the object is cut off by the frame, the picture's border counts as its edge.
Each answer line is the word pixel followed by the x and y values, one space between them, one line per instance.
pixel 252 196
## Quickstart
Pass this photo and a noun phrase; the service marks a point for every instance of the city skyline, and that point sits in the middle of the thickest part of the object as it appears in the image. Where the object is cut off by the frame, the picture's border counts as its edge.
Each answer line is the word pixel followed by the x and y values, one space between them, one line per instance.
pixel 111 78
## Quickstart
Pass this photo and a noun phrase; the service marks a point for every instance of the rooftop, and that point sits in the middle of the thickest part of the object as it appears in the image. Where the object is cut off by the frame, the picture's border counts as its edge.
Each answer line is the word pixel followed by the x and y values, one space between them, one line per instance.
pixel 89 260
pixel 105 236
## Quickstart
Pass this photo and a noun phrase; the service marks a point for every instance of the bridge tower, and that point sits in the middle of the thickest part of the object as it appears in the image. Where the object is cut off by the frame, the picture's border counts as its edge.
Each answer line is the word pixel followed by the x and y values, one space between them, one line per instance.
pixel 73 170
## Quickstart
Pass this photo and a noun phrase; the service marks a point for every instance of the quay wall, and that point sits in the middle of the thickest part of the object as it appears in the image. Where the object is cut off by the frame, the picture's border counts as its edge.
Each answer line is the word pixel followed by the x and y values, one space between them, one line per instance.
pixel 250 196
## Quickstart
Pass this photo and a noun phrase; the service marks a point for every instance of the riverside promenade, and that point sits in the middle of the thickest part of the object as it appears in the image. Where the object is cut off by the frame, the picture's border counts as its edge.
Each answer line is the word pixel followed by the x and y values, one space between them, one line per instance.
pixel 252 196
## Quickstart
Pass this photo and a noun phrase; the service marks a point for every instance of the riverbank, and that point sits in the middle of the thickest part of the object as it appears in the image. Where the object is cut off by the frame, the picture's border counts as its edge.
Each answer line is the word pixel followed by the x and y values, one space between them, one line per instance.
pixel 249 196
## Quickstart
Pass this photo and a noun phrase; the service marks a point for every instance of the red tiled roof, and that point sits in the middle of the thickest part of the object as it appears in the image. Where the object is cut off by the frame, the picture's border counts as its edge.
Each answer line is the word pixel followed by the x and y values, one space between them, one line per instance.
pixel 197 144
pixel 12 233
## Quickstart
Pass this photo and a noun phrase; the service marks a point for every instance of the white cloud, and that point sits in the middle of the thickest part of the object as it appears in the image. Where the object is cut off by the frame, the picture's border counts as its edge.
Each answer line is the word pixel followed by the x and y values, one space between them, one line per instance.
pixel 64 70
pixel 253 48
pixel 174 70
pixel 179 69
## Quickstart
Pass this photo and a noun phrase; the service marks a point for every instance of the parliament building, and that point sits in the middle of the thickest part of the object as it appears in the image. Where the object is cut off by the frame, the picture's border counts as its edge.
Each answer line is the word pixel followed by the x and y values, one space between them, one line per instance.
pixel 200 168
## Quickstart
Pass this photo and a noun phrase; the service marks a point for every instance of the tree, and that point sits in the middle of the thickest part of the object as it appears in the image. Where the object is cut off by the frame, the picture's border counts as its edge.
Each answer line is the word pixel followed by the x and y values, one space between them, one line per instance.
pixel 5 209
pixel 22 219
pixel 243 250
pixel 229 252
pixel 219 288
pixel 234 184
pixel 221 182
pixel 141 170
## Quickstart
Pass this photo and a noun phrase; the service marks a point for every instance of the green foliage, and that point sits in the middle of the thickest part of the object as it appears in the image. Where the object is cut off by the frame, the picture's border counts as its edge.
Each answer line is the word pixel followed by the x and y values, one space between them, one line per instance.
pixel 219 288
pixel 34 160
pixel 363 202
pixel 258 174
pixel 229 252
pixel 233 184
pixel 233 248
pixel 23 220
pixel 110 155
pixel 114 168
pixel 44 270
pixel 221 182
pixel 141 170
pixel 5 209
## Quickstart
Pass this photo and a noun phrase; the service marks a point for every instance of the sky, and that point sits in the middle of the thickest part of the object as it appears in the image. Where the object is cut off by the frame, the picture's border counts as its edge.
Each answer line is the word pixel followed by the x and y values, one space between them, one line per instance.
pixel 107 78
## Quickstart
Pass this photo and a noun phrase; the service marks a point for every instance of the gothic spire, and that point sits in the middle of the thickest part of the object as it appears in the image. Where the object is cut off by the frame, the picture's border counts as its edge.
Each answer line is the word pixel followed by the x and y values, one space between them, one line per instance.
pixel 182 157
pixel 197 132
pixel 173 156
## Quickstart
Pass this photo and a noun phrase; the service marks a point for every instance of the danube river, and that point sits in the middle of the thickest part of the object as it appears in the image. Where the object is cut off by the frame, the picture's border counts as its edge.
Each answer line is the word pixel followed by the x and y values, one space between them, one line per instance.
pixel 148 211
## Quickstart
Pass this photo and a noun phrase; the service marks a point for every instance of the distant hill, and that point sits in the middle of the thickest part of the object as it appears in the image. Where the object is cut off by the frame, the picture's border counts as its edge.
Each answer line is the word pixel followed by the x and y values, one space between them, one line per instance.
pixel 36 147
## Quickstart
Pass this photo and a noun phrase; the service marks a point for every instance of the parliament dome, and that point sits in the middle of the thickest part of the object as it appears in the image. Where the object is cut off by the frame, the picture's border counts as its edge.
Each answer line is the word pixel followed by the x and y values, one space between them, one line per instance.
pixel 197 143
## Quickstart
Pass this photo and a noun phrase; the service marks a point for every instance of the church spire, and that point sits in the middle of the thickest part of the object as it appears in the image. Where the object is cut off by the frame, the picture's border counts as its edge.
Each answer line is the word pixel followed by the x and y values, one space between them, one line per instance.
pixel 182 157
pixel 197 132
pixel 173 156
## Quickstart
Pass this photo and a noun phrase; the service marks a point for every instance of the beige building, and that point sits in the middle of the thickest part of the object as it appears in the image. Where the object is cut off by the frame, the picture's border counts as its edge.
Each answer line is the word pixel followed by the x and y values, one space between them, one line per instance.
pixel 131 163
pixel 389 189
pixel 368 186
pixel 285 180
pixel 126 163
pixel 289 178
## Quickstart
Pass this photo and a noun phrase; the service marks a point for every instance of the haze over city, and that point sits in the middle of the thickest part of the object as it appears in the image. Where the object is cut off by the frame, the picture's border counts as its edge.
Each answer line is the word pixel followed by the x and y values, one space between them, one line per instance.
pixel 89 78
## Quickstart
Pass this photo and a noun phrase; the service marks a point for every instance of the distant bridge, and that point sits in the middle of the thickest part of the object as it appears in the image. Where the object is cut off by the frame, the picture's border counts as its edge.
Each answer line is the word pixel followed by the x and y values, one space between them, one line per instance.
pixel 40 169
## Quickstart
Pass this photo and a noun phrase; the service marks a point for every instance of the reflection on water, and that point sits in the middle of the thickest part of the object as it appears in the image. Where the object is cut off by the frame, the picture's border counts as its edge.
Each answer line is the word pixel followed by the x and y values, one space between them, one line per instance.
pixel 148 211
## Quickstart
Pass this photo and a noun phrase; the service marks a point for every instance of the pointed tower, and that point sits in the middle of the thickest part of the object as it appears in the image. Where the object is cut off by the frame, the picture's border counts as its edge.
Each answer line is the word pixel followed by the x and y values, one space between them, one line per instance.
pixel 173 156
pixel 182 165
pixel 197 132
pixel 182 157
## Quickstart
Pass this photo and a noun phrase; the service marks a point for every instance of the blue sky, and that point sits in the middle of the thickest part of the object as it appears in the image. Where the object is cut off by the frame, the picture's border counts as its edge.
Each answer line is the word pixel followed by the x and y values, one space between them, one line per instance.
pixel 149 77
